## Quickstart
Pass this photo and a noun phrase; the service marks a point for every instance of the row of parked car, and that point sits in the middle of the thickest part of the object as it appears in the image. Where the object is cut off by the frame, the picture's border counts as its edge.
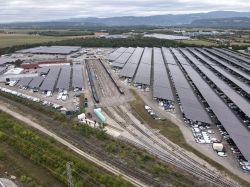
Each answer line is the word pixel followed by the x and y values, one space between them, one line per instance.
pixel 151 112
pixel 35 99
pixel 202 134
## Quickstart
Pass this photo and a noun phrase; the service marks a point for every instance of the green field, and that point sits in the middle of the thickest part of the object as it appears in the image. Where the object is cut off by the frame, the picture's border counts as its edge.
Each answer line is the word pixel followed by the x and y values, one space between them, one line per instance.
pixel 8 40
pixel 199 42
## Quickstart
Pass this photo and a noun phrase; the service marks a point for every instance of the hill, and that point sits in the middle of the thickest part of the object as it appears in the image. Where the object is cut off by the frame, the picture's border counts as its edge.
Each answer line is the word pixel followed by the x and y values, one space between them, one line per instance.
pixel 158 20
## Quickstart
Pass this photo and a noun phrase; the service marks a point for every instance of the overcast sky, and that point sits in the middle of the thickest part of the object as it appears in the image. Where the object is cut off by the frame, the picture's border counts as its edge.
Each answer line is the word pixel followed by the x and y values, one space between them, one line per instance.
pixel 36 10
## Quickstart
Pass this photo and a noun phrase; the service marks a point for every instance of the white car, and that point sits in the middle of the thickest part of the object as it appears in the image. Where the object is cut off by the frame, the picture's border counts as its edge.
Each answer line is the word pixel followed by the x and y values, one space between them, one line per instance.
pixel 244 163
pixel 222 154
pixel 246 168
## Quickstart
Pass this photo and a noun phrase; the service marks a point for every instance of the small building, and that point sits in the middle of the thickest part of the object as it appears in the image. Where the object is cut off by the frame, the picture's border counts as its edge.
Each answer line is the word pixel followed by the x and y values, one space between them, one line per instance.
pixel 218 147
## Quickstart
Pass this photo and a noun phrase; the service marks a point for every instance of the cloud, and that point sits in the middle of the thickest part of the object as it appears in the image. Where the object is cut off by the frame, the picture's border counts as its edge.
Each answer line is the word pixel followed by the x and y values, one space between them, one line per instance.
pixel 37 10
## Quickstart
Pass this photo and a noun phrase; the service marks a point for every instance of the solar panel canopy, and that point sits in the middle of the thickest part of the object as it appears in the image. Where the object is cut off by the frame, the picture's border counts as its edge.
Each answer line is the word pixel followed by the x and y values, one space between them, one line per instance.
pixel 64 50
pixel 24 82
pixel 191 106
pixel 36 82
pixel 226 74
pixel 115 54
pixel 130 67
pixel 77 77
pixel 63 82
pixel 161 83
pixel 143 73
pixel 228 91
pixel 237 131
pixel 50 80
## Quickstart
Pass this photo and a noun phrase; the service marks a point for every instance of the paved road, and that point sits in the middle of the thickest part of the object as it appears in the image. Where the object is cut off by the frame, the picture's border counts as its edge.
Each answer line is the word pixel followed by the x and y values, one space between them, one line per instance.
pixel 106 166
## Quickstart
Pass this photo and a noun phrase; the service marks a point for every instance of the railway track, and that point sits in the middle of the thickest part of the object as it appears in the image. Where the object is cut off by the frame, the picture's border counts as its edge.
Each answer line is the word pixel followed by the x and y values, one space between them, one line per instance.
pixel 91 152
pixel 172 155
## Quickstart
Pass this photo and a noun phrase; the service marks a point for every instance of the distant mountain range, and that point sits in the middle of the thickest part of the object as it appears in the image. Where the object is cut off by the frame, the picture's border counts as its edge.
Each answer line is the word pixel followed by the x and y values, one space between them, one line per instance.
pixel 159 20
pixel 241 23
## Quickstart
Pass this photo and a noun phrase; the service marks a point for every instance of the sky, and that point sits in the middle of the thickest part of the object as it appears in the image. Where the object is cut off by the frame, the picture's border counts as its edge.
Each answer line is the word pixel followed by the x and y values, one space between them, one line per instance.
pixel 43 10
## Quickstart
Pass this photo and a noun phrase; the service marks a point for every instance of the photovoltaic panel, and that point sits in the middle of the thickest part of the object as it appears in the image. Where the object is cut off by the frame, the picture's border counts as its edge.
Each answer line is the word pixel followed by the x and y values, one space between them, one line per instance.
pixel 239 83
pixel 36 82
pixel 244 74
pixel 50 80
pixel 241 102
pixel 24 82
pixel 237 131
pixel 118 52
pixel 191 106
pixel 161 83
pixel 237 56
pixel 130 67
pixel 143 73
pixel 169 59
pixel 63 82
pixel 223 63
pixel 77 77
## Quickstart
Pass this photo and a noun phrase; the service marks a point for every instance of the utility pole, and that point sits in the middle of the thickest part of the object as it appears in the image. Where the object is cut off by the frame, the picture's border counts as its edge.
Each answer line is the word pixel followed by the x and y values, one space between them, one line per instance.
pixel 69 173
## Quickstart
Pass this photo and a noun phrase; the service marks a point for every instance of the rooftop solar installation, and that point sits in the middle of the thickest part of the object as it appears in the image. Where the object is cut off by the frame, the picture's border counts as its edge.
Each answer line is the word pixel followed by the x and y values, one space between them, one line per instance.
pixel 115 54
pixel 63 82
pixel 236 56
pixel 143 74
pixel 239 83
pixel 242 103
pixel 130 67
pixel 77 77
pixel 50 80
pixel 169 59
pixel 36 82
pixel 64 50
pixel 223 63
pixel 237 131
pixel 24 82
pixel 190 105
pixel 236 63
pixel 161 83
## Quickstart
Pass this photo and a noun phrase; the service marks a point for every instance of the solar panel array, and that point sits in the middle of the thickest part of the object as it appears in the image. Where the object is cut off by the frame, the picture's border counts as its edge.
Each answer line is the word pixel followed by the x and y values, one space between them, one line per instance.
pixel 238 57
pixel 77 77
pixel 24 82
pixel 44 70
pixel 229 59
pixel 143 74
pixel 64 78
pixel 50 80
pixel 226 74
pixel 190 104
pixel 36 82
pixel 161 83
pixel 118 52
pixel 241 102
pixel 121 60
pixel 230 122
pixel 224 64
pixel 130 67
pixel 64 50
